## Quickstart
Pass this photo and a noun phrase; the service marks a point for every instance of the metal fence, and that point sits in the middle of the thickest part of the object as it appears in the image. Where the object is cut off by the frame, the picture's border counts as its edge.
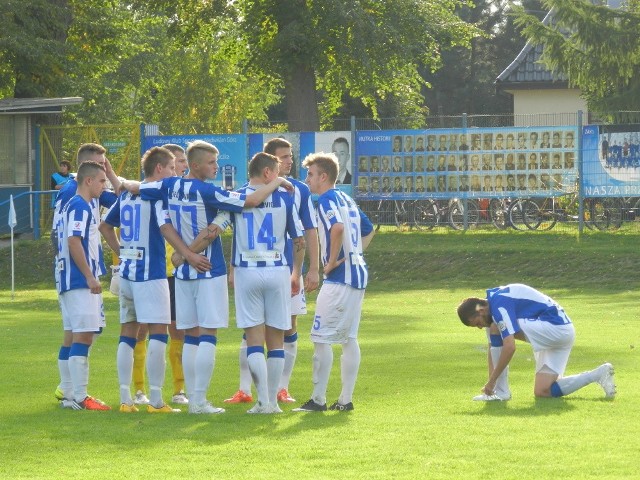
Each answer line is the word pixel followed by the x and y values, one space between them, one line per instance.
pixel 568 210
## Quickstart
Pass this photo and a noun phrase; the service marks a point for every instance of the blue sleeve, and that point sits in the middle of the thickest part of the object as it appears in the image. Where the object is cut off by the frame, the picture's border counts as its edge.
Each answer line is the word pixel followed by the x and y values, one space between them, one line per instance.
pixel 113 215
pixel 153 191
pixel 108 198
pixel 366 227
pixel 306 212
pixel 504 316
pixel 221 199
pixel 293 224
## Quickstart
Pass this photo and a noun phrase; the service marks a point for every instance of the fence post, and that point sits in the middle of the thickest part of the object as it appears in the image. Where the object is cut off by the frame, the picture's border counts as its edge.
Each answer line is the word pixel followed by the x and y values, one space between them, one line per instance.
pixel 580 178
pixel 465 200
pixel 143 134
pixel 352 145
pixel 38 175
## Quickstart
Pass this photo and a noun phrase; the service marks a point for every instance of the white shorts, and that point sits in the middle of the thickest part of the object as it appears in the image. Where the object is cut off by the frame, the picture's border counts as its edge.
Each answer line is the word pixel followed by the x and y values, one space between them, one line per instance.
pixel 202 303
pixel 263 296
pixel 338 310
pixel 551 343
pixel 145 302
pixel 299 301
pixel 82 311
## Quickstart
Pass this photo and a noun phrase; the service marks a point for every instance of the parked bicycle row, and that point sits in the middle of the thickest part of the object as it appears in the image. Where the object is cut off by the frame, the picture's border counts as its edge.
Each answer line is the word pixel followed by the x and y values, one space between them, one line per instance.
pixel 502 213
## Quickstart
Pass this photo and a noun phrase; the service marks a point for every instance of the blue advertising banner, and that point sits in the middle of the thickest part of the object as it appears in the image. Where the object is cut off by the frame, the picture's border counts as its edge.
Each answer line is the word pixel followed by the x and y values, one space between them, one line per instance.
pixel 232 161
pixel 480 163
pixel 610 161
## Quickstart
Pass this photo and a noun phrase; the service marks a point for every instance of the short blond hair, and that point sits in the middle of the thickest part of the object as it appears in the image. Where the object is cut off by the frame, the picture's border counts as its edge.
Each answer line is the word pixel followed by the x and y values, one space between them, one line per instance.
pixel 86 150
pixel 326 163
pixel 197 149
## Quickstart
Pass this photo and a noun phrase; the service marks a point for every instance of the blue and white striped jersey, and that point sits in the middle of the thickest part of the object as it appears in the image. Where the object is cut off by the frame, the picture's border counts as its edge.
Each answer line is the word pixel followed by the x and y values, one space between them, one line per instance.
pixel 76 220
pixel 304 205
pixel 142 248
pixel 192 205
pixel 260 233
pixel 66 193
pixel 514 302
pixel 335 206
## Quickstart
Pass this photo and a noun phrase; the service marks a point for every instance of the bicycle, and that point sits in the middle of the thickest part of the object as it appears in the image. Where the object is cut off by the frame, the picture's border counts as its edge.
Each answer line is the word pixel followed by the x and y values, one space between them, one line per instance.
pixel 429 213
pixel 386 211
pixel 598 213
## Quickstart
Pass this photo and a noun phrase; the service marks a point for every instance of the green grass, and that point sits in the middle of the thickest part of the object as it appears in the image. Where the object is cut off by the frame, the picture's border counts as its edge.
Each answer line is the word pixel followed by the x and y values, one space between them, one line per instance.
pixel 414 417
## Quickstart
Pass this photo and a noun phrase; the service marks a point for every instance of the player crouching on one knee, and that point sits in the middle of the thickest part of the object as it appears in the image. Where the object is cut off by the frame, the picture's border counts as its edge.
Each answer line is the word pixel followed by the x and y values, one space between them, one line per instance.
pixel 520 312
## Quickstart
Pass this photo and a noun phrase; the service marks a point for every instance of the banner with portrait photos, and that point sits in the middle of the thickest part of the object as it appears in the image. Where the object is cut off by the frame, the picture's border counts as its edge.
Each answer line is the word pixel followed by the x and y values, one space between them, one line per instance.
pixel 305 143
pixel 232 163
pixel 478 162
pixel 611 160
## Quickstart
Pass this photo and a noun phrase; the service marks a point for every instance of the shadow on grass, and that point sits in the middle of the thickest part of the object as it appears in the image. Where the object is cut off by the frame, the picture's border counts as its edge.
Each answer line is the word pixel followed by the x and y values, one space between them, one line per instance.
pixel 541 407
pixel 141 430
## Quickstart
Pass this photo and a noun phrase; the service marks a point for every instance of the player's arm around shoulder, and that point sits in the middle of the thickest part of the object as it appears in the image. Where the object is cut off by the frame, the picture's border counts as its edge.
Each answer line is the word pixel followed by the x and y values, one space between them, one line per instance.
pixel 206 236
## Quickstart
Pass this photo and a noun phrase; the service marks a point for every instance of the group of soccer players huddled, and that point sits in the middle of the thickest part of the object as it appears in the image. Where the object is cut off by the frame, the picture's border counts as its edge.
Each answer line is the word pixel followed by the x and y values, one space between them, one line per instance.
pixel 173 276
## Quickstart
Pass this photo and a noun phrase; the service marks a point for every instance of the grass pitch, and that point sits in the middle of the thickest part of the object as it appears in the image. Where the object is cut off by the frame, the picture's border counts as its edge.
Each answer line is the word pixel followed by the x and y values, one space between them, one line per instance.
pixel 414 417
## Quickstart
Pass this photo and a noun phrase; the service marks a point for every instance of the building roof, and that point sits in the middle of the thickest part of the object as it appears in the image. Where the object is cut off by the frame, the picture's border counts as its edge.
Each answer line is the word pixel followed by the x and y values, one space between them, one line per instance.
pixel 13 106
pixel 526 71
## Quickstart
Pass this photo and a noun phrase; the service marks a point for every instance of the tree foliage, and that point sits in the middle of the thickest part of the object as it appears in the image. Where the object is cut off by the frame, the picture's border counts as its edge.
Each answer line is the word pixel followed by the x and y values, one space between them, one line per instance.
pixel 596 47
pixel 317 52
pixel 466 81
pixel 214 63
pixel 32 47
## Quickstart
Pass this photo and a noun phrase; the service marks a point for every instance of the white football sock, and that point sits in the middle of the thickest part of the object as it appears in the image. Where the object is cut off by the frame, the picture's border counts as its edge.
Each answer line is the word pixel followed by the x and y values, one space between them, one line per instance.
pixel 156 367
pixel 275 364
pixel 349 366
pixel 124 362
pixel 322 363
pixel 204 363
pixel 245 374
pixel 290 353
pixel 189 352
pixel 502 383
pixel 576 382
pixel 79 369
pixel 258 368
pixel 66 385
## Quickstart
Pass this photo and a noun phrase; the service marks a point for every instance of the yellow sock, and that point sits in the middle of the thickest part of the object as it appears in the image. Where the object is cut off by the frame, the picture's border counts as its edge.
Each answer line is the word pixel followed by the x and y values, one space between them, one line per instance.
pixel 175 358
pixel 139 358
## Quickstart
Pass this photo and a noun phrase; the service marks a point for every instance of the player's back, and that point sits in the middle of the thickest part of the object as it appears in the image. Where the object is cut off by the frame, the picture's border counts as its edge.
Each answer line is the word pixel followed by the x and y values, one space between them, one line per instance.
pixel 192 205
pixel 336 206
pixel 142 247
pixel 525 302
pixel 260 233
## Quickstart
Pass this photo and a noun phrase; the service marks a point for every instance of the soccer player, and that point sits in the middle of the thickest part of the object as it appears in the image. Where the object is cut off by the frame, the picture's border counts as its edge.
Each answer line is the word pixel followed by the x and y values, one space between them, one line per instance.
pixel 345 232
pixel 176 337
pixel 263 281
pixel 144 290
pixel 78 284
pixel 517 311
pixel 281 149
pixel 201 296
pixel 87 152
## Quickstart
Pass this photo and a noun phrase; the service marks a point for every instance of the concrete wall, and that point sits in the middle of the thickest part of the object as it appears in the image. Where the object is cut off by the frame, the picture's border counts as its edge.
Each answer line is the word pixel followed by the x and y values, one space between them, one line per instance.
pixel 547 106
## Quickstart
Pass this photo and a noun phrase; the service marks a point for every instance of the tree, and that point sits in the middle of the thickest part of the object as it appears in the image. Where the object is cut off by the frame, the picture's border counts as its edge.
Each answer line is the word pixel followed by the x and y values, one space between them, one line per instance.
pixel 319 51
pixel 596 47
pixel 465 83
pixel 32 47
